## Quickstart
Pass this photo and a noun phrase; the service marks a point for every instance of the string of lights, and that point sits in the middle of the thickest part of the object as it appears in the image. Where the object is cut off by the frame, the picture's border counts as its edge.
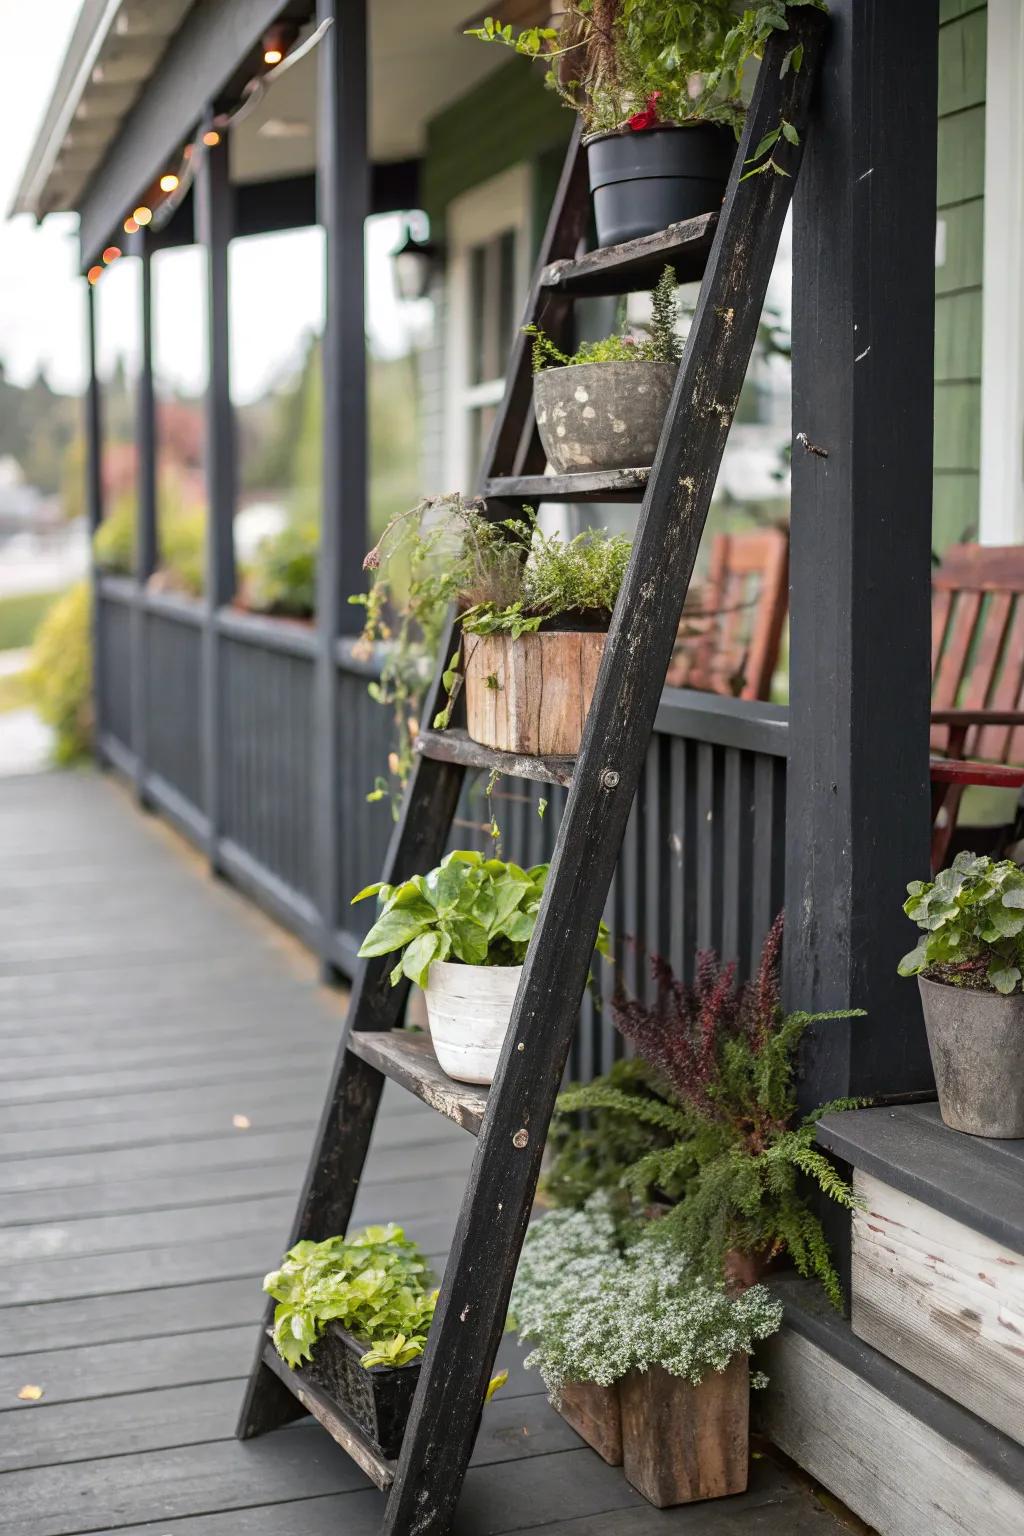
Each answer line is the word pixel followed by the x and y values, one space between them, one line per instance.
pixel 279 55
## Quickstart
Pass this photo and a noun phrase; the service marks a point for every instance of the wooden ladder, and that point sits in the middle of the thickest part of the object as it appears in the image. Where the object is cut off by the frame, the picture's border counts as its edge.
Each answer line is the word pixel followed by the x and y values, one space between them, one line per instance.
pixel 510 1120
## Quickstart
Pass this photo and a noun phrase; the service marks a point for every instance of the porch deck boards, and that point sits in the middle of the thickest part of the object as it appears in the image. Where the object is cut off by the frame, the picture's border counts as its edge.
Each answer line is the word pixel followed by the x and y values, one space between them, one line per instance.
pixel 142 1008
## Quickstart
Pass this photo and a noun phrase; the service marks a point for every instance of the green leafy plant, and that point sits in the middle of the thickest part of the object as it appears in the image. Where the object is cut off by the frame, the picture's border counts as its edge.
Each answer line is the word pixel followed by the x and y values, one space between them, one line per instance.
pixel 376 1284
pixel 182 534
pixel 972 917
pixel 59 677
pixel 597 1310
pixel 635 64
pixel 282 576
pixel 726 1145
pixel 661 345
pixel 504 577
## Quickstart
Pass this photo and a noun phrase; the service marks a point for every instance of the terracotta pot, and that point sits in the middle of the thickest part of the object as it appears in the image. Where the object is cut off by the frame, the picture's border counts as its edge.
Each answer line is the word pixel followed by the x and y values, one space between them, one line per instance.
pixel 468 1009
pixel 594 1413
pixel 682 1443
pixel 531 696
pixel 976 1040
pixel 595 416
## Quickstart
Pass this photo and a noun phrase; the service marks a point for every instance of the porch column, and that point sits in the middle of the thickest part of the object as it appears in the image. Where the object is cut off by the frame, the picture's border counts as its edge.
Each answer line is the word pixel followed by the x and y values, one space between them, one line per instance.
pixel 858 807
pixel 343 205
pixel 213 231
pixel 93 429
pixel 145 508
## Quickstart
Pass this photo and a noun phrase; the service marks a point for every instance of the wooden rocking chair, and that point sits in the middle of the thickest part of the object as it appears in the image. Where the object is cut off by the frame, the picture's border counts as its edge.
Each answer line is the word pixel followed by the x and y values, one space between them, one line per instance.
pixel 729 638
pixel 977 679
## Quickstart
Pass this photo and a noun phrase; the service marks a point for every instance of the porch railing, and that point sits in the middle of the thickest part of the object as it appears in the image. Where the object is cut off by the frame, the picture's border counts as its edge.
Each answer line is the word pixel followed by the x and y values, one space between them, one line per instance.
pixel 702 864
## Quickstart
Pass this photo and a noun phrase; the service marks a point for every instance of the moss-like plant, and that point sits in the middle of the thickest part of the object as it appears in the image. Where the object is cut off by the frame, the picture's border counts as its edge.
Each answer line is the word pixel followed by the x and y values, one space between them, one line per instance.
pixel 726 1143
pixel 662 344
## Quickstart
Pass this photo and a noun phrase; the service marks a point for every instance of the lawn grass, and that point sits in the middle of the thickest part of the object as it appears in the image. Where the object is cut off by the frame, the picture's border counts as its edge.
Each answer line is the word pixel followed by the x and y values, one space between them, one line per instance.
pixel 20 614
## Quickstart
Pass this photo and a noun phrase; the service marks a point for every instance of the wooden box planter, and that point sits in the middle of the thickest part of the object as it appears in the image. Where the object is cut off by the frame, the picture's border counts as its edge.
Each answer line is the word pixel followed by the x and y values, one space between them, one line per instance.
pixel 682 1443
pixel 377 1399
pixel 531 696
pixel 594 1413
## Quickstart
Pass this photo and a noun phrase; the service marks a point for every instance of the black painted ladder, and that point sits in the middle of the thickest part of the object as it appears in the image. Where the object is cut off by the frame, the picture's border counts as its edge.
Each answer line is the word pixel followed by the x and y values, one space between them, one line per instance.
pixel 511 1118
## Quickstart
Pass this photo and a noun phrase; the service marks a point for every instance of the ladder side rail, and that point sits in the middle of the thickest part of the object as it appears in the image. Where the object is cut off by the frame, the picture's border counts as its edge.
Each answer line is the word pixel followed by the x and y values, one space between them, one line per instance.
pixel 473 1301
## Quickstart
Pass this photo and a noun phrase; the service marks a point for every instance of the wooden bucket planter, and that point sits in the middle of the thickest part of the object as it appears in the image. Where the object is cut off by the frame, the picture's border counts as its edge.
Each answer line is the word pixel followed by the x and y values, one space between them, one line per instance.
pixel 376 1398
pixel 594 1413
pixel 682 1443
pixel 531 696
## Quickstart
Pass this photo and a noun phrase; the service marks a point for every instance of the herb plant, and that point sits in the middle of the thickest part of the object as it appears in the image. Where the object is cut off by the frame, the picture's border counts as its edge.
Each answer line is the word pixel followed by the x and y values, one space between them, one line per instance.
pixel 282 576
pixel 662 345
pixel 637 64
pixel 972 916
pixel 597 1311
pixel 376 1284
pixel 721 1109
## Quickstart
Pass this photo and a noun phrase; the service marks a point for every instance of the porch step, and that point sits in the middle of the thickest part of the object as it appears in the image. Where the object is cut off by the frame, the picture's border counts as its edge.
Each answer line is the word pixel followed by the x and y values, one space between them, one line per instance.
pixel 409 1059
pixel 455 746
pixel 637 264
pixel 937 1269
pixel 592 485
pixel 334 1419
pixel 899 1453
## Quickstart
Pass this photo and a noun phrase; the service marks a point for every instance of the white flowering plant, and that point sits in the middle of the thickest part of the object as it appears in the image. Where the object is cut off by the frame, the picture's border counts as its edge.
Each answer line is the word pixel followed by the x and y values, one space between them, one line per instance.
pixel 597 1311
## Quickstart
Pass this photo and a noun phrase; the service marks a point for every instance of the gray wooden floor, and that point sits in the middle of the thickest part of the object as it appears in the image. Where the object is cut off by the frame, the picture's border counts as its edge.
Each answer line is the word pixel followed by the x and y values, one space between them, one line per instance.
pixel 142 1008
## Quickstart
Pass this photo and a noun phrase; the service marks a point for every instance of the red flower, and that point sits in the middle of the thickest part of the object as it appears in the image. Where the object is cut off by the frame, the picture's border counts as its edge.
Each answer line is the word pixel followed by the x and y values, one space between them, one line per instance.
pixel 648 118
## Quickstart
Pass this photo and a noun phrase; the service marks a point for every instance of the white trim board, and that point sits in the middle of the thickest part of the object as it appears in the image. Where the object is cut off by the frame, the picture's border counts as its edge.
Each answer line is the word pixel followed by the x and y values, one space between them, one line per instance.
pixel 1001 497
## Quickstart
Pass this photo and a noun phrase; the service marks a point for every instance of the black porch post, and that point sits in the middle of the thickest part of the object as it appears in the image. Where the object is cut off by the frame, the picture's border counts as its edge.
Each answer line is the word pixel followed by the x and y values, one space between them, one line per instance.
pixel 343 203
pixel 145 511
pixel 863 320
pixel 93 424
pixel 213 231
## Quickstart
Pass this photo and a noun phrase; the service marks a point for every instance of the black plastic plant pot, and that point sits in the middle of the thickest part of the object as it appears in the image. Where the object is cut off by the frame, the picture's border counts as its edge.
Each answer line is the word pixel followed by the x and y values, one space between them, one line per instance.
pixel 643 181
pixel 377 1399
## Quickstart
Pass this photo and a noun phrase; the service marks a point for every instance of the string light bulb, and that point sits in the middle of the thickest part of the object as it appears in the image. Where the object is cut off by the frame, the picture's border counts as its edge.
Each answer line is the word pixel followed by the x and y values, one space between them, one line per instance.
pixel 211 137
pixel 168 182
pixel 142 214
pixel 94 274
pixel 130 227
pixel 276 42
pixel 272 56
pixel 111 253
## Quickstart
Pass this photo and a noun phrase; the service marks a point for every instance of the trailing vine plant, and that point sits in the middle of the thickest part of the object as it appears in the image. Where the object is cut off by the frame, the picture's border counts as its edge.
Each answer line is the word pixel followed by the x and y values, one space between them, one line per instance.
pixel 707 1122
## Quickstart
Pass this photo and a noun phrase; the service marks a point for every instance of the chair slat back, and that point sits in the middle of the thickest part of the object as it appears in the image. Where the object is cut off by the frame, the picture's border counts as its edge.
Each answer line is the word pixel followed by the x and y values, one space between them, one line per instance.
pixel 978 644
pixel 730 645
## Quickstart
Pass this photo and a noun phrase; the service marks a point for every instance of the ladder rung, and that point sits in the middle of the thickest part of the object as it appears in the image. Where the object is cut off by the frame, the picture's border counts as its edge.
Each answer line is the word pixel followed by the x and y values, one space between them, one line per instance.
pixel 592 485
pixel 334 1419
pixel 455 746
pixel 637 264
pixel 409 1059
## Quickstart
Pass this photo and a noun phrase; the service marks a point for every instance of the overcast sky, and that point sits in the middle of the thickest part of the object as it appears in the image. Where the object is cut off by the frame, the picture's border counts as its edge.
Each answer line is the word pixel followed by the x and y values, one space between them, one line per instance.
pixel 276 280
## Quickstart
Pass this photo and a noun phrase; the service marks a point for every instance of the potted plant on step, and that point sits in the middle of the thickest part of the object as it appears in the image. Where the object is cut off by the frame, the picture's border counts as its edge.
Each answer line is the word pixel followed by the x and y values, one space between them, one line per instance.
pixel 461 933
pixel 702 1126
pixel 646 1359
pixel 604 406
pixel 660 90
pixel 356 1311
pixel 969 963
pixel 533 613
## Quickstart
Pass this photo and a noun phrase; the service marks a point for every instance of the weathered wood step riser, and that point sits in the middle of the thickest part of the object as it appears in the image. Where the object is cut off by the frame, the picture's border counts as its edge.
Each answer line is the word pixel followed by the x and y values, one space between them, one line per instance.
pixel 895 1451
pixel 942 1300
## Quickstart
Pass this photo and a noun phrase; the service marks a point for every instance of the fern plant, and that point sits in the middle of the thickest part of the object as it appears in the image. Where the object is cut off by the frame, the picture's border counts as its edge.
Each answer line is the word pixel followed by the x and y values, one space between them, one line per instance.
pixel 719 1118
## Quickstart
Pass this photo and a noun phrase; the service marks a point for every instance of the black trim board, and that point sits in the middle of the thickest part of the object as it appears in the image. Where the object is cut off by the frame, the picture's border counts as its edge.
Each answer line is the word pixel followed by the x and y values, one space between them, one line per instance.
pixel 807 1312
pixel 970 1178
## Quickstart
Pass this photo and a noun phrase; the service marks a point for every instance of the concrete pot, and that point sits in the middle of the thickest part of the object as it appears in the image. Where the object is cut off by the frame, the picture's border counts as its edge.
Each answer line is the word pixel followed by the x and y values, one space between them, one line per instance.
pixel 976 1040
pixel 602 415
pixel 468 1009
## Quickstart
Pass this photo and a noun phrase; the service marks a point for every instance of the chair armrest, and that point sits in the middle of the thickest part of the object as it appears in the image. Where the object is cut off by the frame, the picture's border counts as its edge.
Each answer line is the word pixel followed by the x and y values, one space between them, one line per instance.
pixel 969 717
pixel 945 770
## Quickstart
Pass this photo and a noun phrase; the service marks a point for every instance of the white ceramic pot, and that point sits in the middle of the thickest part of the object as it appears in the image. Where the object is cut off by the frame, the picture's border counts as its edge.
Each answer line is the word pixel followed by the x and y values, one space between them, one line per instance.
pixel 468 1009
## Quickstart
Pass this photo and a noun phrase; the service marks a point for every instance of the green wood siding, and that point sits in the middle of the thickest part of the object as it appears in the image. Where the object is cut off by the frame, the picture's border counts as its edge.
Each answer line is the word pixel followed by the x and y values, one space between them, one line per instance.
pixel 508 118
pixel 960 198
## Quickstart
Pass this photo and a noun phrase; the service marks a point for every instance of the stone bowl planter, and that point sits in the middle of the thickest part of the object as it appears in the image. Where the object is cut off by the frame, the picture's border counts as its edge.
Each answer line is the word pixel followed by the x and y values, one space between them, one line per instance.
pixel 468 1010
pixel 531 696
pixel 594 416
pixel 641 182
pixel 976 1040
